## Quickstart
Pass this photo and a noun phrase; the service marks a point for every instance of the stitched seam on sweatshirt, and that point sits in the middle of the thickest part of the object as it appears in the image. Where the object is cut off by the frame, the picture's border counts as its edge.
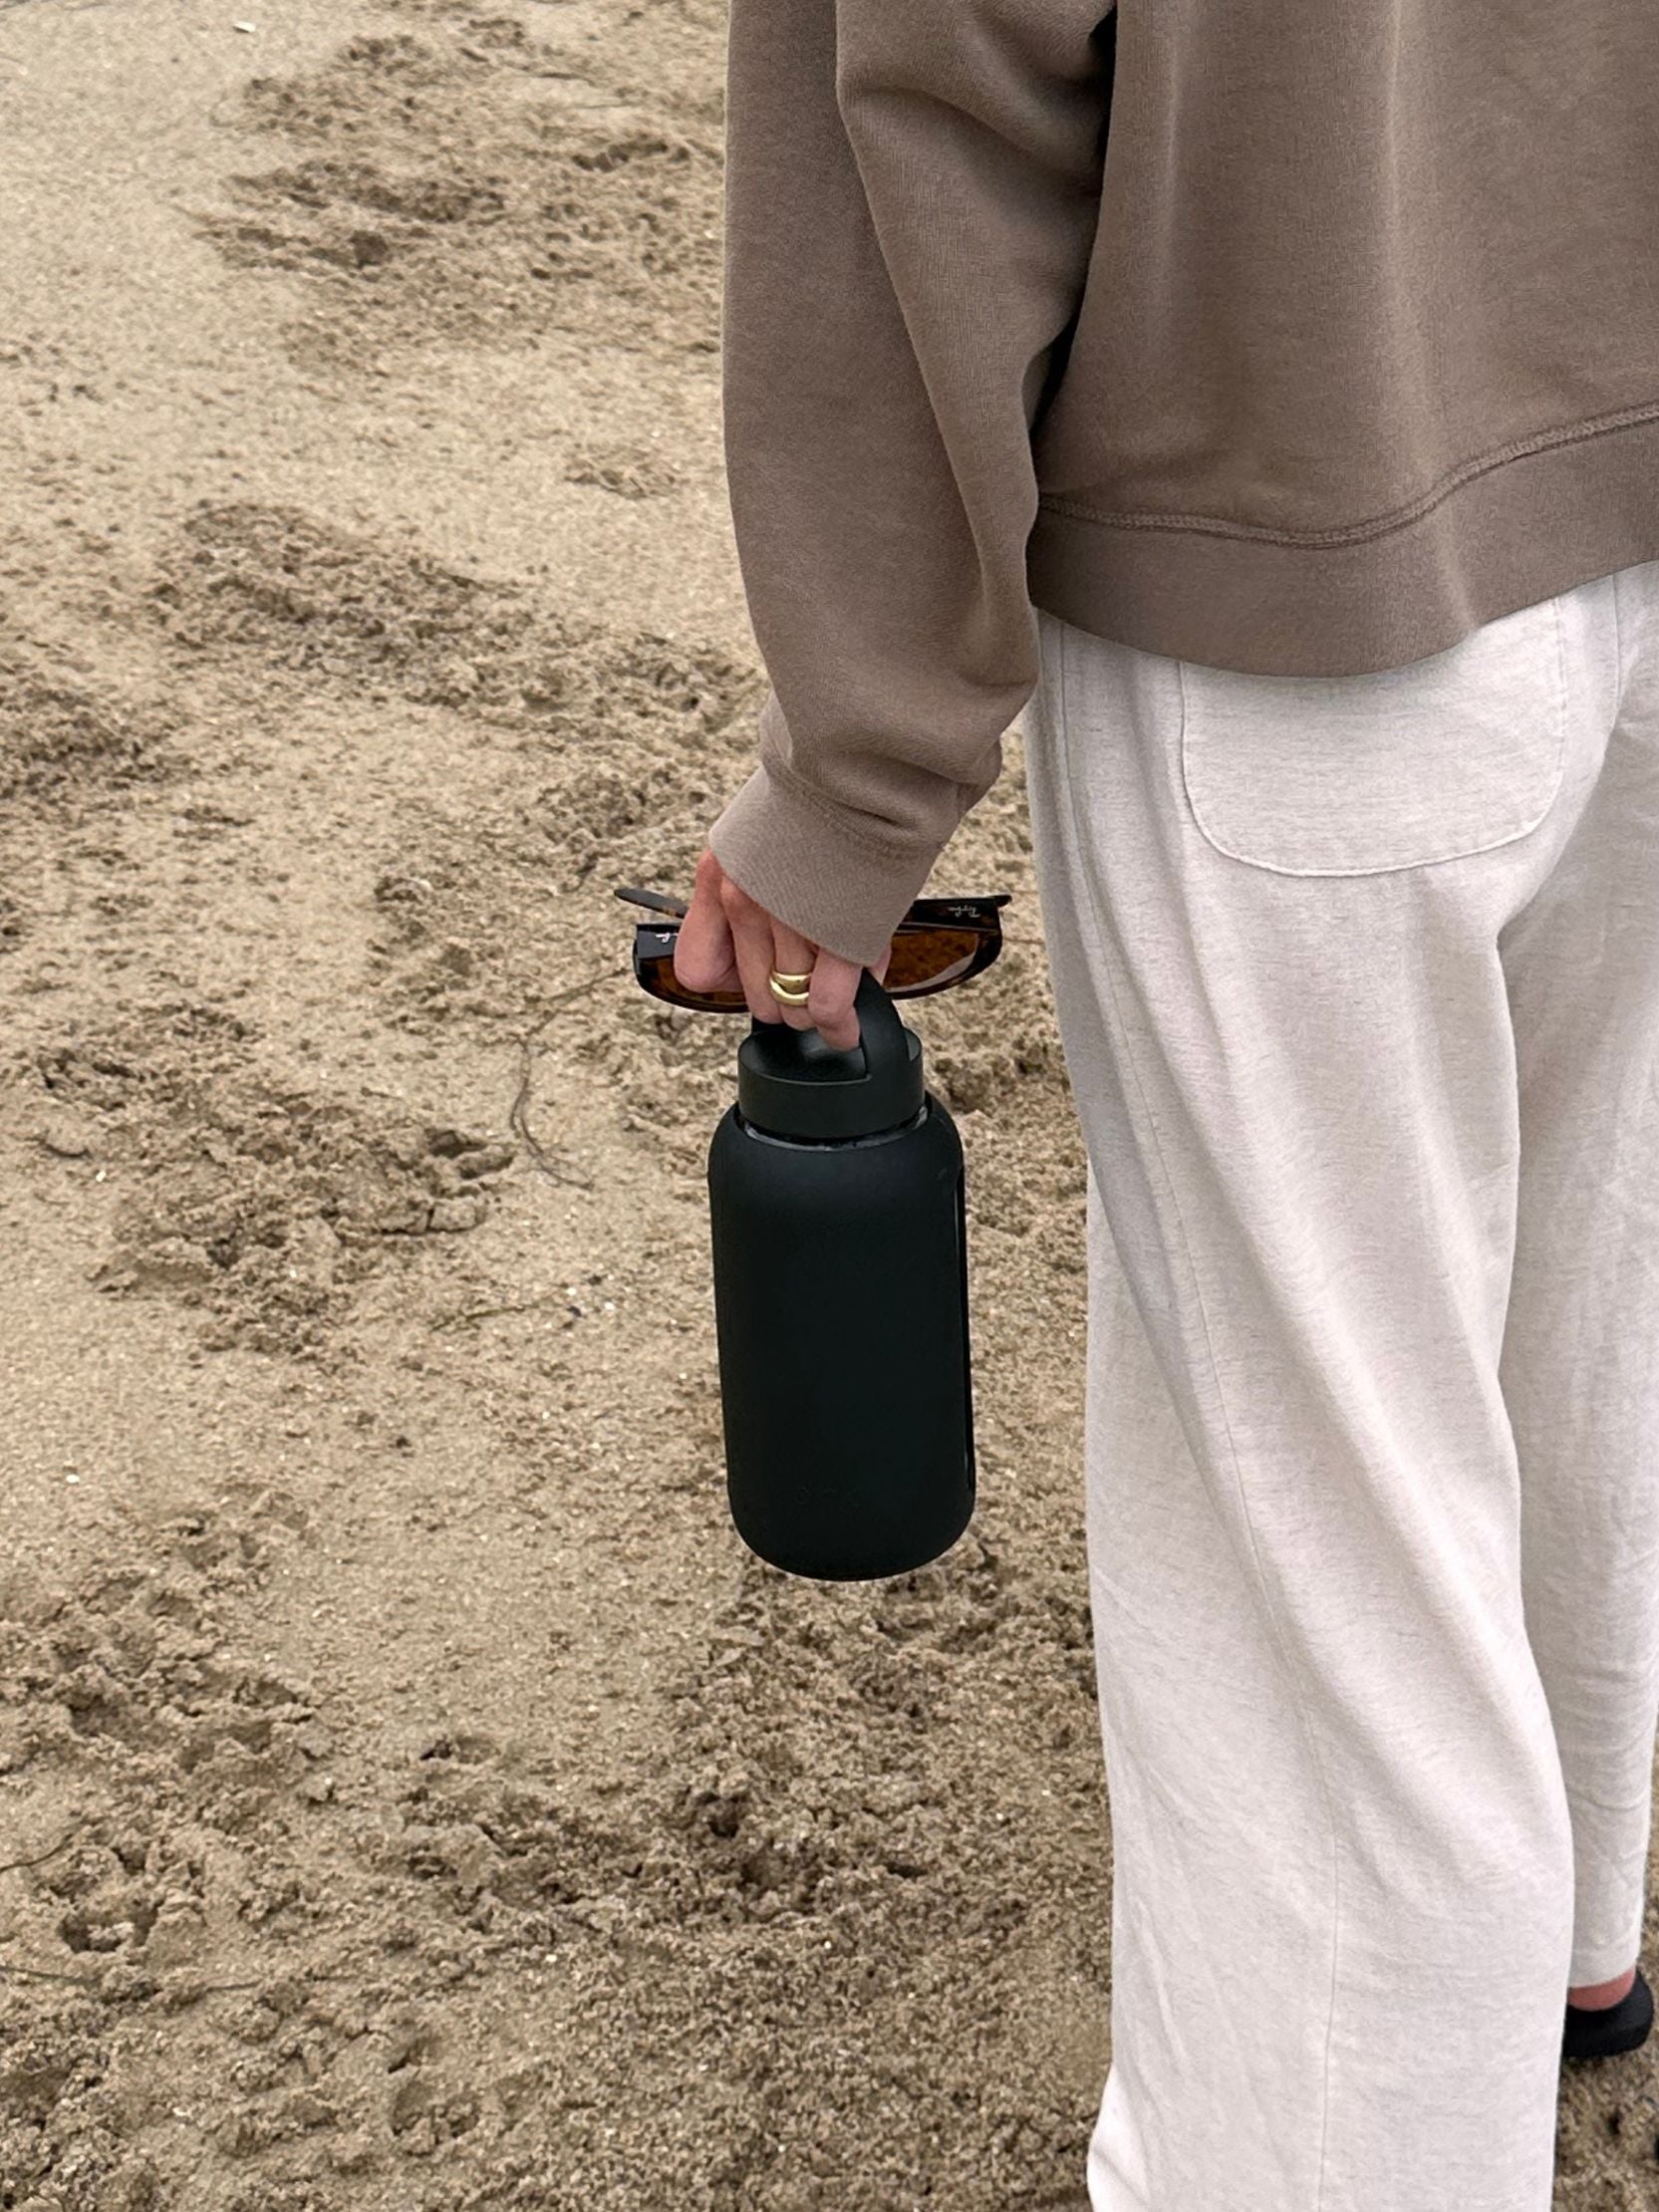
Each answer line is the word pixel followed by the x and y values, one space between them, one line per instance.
pixel 1270 1611
pixel 1354 533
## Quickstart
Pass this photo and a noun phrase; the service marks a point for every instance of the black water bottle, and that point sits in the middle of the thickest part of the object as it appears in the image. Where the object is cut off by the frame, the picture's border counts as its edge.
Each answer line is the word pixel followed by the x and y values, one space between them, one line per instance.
pixel 840 1251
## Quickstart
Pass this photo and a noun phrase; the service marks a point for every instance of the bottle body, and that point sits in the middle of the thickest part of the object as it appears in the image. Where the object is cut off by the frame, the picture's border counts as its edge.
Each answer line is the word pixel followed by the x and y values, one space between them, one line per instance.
pixel 841 1314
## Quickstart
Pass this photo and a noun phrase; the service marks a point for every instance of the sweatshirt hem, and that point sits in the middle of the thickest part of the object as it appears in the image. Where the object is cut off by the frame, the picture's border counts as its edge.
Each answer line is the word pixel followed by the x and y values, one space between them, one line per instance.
pixel 1548 518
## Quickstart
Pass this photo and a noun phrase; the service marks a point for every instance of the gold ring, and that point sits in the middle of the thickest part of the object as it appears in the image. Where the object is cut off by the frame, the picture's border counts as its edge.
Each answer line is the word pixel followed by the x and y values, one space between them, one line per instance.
pixel 791 990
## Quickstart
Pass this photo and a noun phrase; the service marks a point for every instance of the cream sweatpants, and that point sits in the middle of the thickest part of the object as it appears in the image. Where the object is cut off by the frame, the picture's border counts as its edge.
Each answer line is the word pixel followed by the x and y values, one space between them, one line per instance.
pixel 1359 988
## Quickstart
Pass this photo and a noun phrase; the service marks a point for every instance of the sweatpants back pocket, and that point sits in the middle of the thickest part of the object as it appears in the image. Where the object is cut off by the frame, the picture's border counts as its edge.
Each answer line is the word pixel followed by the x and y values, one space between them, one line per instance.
pixel 1342 775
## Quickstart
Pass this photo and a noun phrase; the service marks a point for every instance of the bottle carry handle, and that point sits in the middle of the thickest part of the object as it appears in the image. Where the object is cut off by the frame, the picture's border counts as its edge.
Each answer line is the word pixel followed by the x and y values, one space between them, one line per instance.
pixel 791 1081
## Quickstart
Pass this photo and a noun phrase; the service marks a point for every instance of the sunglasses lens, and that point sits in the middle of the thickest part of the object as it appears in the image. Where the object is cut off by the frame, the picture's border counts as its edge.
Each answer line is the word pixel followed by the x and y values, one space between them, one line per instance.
pixel 655 973
pixel 926 959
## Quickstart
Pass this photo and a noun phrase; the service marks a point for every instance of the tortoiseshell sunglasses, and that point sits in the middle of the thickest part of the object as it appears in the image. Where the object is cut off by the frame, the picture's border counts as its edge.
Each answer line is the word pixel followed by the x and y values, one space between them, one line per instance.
pixel 939 943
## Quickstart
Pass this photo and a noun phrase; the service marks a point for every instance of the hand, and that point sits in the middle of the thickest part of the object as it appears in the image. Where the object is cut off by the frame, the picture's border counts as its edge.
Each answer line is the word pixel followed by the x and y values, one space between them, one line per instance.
pixel 728 940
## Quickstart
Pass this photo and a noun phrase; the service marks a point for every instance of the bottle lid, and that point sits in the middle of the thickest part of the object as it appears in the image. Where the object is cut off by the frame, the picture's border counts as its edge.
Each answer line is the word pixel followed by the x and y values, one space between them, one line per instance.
pixel 790 1083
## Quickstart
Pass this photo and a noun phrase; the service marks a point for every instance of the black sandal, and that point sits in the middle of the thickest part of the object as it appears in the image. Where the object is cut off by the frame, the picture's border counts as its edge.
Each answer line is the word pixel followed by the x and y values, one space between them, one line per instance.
pixel 1604 2031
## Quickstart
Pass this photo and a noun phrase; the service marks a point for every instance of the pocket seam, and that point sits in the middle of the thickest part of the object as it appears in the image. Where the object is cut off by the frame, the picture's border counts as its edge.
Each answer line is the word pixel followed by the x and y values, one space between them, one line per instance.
pixel 1396 867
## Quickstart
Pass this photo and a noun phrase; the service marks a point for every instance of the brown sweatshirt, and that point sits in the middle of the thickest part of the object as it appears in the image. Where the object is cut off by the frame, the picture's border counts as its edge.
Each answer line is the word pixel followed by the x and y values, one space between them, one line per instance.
pixel 1291 336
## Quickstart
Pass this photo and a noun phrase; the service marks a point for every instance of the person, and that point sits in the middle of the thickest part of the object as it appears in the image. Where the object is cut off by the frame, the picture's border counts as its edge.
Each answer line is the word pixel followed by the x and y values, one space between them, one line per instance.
pixel 1265 400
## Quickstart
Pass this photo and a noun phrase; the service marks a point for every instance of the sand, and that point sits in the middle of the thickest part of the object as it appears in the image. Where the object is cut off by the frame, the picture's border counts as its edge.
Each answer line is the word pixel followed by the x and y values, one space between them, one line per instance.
pixel 412 1794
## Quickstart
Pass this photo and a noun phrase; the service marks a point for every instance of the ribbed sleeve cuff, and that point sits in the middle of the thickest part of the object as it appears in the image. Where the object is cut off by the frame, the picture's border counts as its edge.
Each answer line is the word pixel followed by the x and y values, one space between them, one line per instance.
pixel 801 860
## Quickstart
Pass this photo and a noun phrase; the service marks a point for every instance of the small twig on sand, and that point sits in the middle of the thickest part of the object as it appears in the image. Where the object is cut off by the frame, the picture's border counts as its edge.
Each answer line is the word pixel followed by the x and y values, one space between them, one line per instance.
pixel 488 1313
pixel 38 1973
pixel 197 1989
pixel 9 1865
pixel 527 1063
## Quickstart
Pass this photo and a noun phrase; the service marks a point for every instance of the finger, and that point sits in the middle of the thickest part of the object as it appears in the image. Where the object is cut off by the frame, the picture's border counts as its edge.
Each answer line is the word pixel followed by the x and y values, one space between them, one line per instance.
pixel 837 980
pixel 704 955
pixel 751 937
pixel 830 1006
pixel 794 954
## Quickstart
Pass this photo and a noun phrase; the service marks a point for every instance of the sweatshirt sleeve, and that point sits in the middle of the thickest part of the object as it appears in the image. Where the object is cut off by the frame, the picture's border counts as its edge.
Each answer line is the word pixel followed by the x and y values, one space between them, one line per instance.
pixel 912 194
